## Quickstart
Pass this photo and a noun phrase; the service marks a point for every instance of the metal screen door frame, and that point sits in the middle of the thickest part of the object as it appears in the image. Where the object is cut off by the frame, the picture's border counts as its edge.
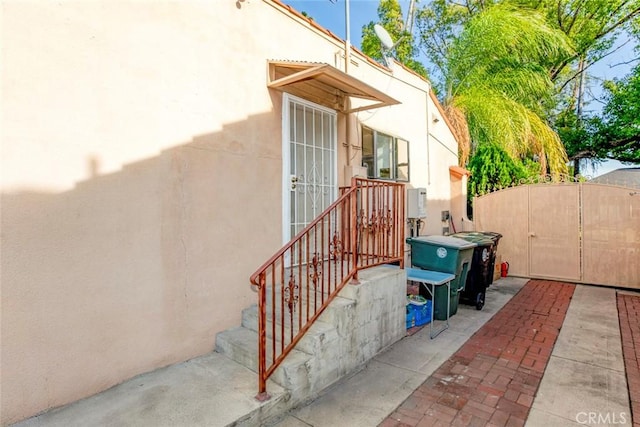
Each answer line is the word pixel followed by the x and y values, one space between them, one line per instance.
pixel 309 169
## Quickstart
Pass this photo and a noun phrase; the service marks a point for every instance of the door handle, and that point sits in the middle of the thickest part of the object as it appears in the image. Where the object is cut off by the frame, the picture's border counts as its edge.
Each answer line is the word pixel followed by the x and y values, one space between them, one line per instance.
pixel 294 180
pixel 532 234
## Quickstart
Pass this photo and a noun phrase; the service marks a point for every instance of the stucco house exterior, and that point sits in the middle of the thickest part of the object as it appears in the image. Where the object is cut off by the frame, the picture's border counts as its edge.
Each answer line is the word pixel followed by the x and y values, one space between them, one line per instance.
pixel 148 168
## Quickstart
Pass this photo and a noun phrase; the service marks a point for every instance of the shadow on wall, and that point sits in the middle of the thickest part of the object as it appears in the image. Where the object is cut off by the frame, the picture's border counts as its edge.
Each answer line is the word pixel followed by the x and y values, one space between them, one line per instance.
pixel 137 269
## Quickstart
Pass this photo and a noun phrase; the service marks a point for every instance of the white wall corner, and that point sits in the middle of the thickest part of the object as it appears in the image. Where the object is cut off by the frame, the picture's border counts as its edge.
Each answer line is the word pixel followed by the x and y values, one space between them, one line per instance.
pixel 351 171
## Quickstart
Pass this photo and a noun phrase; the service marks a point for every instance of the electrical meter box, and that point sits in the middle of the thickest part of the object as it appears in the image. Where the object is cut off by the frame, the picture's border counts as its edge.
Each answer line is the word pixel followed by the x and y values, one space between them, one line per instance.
pixel 417 203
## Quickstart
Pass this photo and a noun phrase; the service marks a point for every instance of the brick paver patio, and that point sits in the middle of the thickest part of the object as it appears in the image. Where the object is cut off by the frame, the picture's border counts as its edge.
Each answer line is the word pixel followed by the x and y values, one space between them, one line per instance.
pixel 492 379
pixel 629 315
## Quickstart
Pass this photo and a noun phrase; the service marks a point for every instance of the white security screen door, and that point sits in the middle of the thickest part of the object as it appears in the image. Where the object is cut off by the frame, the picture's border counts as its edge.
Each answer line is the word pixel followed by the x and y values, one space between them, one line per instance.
pixel 309 153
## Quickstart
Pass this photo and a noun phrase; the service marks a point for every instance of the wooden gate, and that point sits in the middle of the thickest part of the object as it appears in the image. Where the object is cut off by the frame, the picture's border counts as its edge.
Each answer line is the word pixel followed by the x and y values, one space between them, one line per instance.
pixel 578 232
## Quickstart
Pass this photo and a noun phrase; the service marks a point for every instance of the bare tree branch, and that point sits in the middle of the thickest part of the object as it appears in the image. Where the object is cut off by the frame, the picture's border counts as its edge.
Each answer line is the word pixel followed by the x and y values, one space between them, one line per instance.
pixel 620 22
pixel 631 61
pixel 585 154
pixel 624 141
pixel 577 73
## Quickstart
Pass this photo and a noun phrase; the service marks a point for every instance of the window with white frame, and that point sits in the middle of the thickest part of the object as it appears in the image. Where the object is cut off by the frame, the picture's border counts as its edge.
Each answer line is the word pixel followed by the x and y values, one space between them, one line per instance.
pixel 385 156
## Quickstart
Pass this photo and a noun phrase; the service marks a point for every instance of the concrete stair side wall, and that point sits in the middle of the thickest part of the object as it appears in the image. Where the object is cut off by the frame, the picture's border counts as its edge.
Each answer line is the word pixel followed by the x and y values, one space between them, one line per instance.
pixel 363 320
pixel 378 317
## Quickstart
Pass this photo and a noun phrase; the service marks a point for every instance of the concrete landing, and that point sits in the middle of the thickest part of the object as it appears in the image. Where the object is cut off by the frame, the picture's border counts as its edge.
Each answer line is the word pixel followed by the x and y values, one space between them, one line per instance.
pixel 208 391
pixel 367 397
pixel 584 382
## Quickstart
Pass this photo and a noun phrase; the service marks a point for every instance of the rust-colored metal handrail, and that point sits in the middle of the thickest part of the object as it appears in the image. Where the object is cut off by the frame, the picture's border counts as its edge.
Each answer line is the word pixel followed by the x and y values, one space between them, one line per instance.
pixel 362 229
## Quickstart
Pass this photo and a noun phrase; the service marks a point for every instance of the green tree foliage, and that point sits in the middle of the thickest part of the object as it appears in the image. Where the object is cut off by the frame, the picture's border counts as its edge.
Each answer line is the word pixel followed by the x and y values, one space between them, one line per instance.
pixel 591 27
pixel 507 69
pixel 390 14
pixel 439 23
pixel 617 133
pixel 613 135
pixel 493 59
pixel 575 135
pixel 492 168
pixel 497 76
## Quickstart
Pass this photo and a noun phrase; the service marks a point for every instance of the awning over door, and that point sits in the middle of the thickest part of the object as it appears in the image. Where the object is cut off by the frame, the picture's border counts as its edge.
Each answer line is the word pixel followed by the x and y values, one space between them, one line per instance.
pixel 326 85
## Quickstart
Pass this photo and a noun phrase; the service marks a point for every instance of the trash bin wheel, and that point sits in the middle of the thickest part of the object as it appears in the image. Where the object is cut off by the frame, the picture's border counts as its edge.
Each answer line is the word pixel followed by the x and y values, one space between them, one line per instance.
pixel 480 301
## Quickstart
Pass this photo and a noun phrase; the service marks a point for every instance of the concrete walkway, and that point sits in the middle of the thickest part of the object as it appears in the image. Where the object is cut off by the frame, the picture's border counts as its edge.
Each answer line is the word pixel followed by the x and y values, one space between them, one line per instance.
pixel 207 391
pixel 585 377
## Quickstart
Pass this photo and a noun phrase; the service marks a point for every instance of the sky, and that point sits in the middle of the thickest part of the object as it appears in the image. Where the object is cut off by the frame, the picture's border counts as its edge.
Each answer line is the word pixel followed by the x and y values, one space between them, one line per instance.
pixel 331 15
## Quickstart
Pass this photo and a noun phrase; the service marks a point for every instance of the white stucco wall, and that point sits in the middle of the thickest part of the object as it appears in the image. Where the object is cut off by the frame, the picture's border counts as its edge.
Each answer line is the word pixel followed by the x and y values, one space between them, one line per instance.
pixel 432 146
pixel 443 153
pixel 141 181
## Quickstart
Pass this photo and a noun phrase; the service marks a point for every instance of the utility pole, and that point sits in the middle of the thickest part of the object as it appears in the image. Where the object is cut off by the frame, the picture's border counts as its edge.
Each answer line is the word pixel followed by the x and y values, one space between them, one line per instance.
pixel 408 26
pixel 347 38
pixel 579 107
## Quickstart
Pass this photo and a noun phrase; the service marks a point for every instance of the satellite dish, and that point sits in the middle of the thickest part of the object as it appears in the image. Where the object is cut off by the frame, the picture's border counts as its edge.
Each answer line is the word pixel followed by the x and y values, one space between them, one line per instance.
pixel 387 44
pixel 383 35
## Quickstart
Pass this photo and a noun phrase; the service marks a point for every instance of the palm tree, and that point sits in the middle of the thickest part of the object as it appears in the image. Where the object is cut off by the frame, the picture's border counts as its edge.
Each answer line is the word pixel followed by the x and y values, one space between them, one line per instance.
pixel 498 85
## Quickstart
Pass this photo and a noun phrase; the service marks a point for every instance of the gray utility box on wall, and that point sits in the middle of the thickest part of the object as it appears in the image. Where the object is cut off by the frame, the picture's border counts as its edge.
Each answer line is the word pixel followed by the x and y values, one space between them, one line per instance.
pixel 417 203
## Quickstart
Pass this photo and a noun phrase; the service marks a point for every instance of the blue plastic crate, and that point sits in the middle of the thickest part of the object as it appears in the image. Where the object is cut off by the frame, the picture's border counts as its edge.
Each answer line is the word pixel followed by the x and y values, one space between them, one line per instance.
pixel 421 313
pixel 411 317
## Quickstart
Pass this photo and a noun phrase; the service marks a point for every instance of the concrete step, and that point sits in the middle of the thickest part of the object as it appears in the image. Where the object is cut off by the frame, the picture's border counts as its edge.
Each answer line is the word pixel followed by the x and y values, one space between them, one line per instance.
pixel 339 313
pixel 241 345
pixel 322 332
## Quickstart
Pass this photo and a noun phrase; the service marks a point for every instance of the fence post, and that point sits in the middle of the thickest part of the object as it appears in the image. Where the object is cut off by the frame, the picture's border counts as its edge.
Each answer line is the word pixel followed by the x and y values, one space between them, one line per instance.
pixel 353 204
pixel 262 340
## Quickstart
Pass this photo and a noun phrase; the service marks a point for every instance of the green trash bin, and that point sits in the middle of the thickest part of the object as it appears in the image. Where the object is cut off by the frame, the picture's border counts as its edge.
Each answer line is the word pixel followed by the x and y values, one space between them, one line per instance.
pixel 447 255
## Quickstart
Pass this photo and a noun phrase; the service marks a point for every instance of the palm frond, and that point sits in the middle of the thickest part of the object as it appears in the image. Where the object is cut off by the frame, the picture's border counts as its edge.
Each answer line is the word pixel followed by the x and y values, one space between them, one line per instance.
pixel 498 78
pixel 459 122
pixel 493 117
pixel 551 150
pixel 503 33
